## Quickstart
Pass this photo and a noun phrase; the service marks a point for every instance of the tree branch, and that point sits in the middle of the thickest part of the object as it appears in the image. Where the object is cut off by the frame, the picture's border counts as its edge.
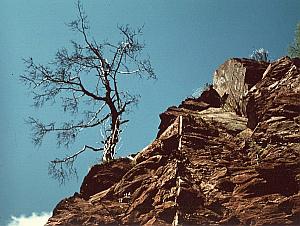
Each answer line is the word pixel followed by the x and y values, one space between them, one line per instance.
pixel 85 147
pixel 83 77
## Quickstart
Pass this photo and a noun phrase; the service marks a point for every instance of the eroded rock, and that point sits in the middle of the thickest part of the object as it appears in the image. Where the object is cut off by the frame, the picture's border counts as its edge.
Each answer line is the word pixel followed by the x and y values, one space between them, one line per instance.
pixel 234 78
pixel 212 163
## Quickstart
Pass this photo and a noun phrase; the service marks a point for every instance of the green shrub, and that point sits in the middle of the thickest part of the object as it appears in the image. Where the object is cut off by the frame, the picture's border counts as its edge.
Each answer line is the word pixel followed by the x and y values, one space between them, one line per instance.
pixel 294 49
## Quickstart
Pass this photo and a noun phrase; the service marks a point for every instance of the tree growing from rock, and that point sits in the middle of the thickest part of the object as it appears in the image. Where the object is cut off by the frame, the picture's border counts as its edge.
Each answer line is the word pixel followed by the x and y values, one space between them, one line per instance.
pixel 294 49
pixel 87 81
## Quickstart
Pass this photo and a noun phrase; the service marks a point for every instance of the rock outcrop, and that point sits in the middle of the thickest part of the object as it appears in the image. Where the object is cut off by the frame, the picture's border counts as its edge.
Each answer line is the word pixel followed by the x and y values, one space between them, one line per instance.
pixel 229 157
pixel 234 78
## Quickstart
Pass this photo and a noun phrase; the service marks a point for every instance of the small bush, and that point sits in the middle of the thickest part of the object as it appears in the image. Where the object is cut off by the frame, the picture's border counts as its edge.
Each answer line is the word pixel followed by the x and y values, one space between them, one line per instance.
pixel 294 49
pixel 260 55
pixel 197 93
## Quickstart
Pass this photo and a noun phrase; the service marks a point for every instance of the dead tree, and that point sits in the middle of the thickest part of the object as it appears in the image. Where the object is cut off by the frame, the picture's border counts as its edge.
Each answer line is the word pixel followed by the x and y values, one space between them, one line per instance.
pixel 87 81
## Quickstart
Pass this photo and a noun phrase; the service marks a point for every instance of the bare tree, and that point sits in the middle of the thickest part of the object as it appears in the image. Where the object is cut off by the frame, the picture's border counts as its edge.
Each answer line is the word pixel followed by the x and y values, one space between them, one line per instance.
pixel 87 83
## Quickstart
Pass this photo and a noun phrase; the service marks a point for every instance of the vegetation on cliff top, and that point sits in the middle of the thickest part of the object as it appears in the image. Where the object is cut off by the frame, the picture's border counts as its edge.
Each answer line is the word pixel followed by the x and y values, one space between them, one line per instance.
pixel 294 48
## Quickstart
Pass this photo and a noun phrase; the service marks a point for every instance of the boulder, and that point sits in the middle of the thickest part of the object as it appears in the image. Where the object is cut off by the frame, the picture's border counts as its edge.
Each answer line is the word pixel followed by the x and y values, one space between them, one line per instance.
pixel 233 79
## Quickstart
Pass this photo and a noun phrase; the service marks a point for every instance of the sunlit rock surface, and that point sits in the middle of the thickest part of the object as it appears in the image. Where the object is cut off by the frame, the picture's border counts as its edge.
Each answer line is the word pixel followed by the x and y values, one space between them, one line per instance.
pixel 229 157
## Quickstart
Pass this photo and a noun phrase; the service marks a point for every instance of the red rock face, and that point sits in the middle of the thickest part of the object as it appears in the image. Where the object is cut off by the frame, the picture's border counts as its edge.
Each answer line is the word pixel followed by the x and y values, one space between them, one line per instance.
pixel 234 78
pixel 209 165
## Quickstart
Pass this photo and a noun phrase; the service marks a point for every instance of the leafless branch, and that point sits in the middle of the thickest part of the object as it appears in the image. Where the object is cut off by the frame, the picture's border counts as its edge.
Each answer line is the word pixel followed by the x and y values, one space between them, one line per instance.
pixel 86 80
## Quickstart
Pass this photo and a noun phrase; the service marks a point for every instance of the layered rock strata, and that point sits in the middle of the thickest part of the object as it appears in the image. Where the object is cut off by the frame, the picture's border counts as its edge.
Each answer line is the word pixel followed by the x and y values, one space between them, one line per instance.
pixel 216 160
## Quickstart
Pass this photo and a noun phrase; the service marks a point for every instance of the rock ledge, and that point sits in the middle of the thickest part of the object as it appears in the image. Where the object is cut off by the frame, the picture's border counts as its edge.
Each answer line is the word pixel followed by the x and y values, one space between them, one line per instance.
pixel 229 157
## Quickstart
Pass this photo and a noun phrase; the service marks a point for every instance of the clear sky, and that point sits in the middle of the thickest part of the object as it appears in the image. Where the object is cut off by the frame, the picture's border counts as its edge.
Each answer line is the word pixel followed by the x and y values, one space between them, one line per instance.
pixel 186 40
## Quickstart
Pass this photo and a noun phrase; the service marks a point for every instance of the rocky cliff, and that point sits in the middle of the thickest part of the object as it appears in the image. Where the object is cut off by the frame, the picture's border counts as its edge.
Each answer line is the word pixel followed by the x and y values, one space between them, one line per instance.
pixel 229 157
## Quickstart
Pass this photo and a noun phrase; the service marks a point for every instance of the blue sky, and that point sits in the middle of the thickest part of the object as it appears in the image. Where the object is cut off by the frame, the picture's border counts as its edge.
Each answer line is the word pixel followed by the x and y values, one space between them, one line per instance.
pixel 186 40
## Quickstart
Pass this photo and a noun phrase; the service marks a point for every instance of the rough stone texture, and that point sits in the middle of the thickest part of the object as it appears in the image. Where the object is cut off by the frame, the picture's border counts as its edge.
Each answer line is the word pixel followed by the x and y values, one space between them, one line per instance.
pixel 234 78
pixel 277 94
pixel 103 176
pixel 208 164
